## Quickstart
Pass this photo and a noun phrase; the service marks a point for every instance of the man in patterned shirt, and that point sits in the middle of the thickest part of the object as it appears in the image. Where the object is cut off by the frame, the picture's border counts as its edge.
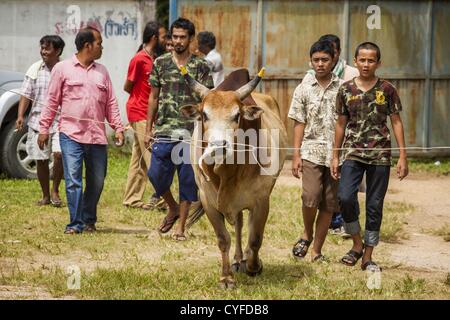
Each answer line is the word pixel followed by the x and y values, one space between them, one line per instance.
pixel 313 110
pixel 169 93
pixel 34 91
pixel 363 105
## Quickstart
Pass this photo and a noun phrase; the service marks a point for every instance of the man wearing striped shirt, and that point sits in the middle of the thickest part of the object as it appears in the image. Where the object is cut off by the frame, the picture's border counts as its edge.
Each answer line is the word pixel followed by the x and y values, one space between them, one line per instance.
pixel 34 92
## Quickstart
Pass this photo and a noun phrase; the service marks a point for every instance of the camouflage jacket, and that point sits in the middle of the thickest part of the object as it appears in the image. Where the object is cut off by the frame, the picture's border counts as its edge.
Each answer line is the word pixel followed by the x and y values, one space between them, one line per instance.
pixel 175 93
pixel 314 106
pixel 367 114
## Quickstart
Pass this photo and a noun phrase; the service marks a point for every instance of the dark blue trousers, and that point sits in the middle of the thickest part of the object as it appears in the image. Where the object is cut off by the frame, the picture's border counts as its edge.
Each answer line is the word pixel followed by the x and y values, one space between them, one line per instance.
pixel 377 180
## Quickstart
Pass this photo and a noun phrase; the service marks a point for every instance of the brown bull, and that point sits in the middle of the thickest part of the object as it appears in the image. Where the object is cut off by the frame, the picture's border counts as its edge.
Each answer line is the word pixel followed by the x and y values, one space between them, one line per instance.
pixel 228 186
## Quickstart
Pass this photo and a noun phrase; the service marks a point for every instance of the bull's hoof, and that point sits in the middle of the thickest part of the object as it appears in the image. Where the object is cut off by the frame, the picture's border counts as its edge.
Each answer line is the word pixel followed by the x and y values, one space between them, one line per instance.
pixel 227 283
pixel 238 267
pixel 243 268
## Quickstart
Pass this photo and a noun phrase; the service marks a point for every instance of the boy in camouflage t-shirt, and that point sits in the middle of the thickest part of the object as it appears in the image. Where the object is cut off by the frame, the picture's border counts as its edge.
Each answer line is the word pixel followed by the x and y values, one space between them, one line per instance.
pixel 169 93
pixel 363 106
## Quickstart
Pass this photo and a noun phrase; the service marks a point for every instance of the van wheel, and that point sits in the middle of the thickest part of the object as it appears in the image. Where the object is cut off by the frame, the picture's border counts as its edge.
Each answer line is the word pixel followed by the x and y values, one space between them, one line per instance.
pixel 13 153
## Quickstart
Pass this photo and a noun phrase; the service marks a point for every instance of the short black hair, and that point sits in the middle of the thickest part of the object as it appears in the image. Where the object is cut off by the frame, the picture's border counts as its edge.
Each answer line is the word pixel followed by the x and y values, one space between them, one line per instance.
pixel 56 41
pixel 168 36
pixel 207 38
pixel 85 35
pixel 322 46
pixel 368 46
pixel 182 23
pixel 332 38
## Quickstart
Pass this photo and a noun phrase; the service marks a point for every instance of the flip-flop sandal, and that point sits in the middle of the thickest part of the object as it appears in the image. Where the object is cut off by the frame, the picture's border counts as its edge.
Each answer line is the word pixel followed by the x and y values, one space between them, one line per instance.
pixel 71 231
pixel 179 237
pixel 352 257
pixel 146 206
pixel 319 258
pixel 168 223
pixel 42 202
pixel 300 249
pixel 57 203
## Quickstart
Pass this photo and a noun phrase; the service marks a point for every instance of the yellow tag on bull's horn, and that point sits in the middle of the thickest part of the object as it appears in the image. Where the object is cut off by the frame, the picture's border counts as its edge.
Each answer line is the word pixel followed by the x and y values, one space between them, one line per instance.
pixel 183 70
pixel 261 72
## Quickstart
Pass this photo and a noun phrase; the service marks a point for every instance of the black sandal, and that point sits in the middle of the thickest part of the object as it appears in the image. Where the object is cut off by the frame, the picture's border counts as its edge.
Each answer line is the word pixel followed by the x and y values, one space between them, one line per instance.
pixel 300 249
pixel 352 257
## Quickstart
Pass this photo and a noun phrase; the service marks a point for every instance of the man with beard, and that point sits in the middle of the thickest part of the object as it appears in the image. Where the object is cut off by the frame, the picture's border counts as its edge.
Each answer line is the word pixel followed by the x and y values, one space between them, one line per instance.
pixel 34 90
pixel 138 87
pixel 169 93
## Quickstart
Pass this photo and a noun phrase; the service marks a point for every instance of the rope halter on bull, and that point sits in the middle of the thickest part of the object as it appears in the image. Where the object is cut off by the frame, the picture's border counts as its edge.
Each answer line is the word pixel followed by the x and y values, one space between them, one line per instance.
pixel 242 93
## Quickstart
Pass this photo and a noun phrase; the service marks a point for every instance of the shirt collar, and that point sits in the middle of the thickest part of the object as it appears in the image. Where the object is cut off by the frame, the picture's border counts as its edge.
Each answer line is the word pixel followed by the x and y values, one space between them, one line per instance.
pixel 75 62
pixel 334 78
pixel 44 67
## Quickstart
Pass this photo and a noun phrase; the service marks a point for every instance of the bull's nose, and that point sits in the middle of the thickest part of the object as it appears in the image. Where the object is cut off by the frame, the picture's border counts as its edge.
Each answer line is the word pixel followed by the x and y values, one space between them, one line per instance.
pixel 219 143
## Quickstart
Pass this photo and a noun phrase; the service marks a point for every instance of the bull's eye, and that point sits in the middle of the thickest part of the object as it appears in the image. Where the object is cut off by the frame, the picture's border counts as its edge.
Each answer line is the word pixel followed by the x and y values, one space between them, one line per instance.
pixel 205 117
pixel 236 117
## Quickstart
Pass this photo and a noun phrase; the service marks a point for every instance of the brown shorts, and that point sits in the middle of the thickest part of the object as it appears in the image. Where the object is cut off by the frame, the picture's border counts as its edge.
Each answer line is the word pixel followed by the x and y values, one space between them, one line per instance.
pixel 319 187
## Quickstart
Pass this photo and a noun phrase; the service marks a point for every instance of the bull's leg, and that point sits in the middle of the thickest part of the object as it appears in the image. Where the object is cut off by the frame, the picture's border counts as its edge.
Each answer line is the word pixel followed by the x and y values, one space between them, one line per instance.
pixel 238 254
pixel 224 242
pixel 256 223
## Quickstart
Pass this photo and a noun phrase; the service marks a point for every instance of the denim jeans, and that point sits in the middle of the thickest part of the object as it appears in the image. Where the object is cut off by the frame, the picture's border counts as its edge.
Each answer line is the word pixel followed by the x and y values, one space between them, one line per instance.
pixel 377 180
pixel 83 206
pixel 336 221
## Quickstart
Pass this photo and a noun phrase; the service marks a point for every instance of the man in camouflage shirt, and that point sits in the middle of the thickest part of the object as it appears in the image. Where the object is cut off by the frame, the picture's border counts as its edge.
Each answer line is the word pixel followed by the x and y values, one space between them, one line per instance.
pixel 363 106
pixel 169 93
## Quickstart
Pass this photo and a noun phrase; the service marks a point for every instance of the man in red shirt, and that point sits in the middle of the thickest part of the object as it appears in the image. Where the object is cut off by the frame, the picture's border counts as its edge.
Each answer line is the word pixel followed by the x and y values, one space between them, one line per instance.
pixel 139 89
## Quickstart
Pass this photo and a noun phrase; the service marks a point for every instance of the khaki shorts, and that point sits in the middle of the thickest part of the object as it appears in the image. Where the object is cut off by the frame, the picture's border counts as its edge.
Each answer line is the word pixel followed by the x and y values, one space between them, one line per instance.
pixel 33 148
pixel 319 187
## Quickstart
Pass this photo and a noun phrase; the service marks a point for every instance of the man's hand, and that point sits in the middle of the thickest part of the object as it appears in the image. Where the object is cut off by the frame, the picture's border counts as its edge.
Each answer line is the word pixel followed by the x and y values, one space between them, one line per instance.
pixel 335 172
pixel 402 168
pixel 42 140
pixel 148 139
pixel 19 123
pixel 119 139
pixel 297 165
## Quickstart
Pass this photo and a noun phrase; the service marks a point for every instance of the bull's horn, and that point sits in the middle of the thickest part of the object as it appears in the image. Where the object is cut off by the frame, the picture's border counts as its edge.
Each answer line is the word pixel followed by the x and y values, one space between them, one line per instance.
pixel 194 84
pixel 246 89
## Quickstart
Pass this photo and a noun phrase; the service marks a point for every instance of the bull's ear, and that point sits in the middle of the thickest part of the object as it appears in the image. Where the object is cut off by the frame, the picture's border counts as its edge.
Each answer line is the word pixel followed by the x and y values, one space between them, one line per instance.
pixel 190 111
pixel 252 112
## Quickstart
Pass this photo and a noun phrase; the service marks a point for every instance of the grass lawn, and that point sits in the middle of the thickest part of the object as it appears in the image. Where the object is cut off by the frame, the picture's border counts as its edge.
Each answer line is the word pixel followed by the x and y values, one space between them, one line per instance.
pixel 128 259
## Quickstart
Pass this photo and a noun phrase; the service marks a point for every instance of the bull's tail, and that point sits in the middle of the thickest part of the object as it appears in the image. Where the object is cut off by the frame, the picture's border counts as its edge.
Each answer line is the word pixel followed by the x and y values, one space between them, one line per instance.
pixel 195 213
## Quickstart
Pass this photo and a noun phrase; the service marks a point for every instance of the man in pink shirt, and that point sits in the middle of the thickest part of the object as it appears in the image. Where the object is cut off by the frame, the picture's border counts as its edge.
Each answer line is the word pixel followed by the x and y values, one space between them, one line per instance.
pixel 84 91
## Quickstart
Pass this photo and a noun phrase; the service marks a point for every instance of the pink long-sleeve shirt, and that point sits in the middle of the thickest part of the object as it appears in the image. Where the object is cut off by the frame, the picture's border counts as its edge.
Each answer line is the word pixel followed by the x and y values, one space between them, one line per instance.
pixel 86 98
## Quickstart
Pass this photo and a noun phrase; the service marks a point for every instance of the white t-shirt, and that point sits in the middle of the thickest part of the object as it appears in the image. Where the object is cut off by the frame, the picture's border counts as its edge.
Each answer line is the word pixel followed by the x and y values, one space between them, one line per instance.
pixel 214 60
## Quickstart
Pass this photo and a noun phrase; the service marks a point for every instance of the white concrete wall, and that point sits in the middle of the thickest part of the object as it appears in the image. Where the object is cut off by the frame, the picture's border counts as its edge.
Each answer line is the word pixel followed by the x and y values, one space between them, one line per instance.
pixel 24 22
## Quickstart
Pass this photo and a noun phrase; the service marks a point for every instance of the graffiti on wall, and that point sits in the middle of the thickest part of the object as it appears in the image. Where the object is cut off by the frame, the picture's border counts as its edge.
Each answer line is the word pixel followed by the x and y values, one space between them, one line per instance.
pixel 126 27
pixel 62 28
